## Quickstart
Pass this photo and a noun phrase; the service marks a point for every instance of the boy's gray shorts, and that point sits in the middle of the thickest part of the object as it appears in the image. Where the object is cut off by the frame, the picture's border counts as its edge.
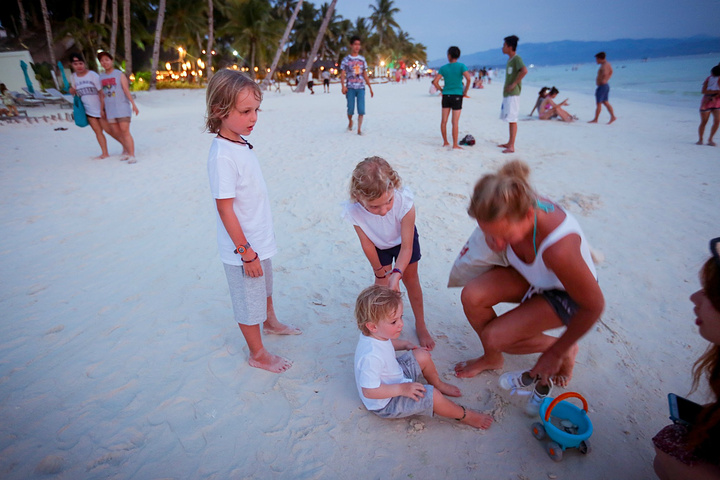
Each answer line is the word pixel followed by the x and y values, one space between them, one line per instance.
pixel 404 406
pixel 248 294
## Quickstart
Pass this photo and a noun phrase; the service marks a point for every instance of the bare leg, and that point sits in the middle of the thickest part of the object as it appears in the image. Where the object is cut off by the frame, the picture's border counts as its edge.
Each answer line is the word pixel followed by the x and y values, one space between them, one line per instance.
pixel 360 119
pixel 97 128
pixel 598 109
pixel 447 408
pixel 714 129
pixel 456 127
pixel 123 129
pixel 350 123
pixel 259 357
pixel 273 326
pixel 612 113
pixel 415 295
pixel 112 130
pixel 667 468
pixel 431 374
pixel 704 117
pixel 511 142
pixel 443 126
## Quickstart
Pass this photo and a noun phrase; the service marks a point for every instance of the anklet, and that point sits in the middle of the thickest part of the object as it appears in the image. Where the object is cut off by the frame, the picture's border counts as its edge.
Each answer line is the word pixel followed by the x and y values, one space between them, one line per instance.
pixel 464 414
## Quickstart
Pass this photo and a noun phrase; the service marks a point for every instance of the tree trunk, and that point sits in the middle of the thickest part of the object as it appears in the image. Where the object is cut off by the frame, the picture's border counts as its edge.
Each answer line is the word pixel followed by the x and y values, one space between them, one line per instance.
pixel 48 33
pixel 23 19
pixel 156 44
pixel 114 28
pixel 211 39
pixel 126 39
pixel 316 46
pixel 103 11
pixel 86 9
pixel 276 60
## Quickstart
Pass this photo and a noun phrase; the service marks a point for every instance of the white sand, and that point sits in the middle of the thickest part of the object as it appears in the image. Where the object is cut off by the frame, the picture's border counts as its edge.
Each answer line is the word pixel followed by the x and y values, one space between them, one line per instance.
pixel 119 357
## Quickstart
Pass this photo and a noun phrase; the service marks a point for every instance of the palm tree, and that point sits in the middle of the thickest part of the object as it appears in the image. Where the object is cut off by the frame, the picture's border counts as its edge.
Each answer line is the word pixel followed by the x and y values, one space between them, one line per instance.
pixel 211 38
pixel 156 44
pixel 183 22
pixel 114 28
pixel 281 46
pixel 307 26
pixel 316 46
pixel 253 29
pixel 48 32
pixel 23 21
pixel 382 19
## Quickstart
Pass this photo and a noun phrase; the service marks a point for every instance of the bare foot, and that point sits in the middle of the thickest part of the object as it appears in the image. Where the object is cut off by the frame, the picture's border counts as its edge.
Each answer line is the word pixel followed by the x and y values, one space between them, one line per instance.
pixel 612 120
pixel 504 145
pixel 471 368
pixel 446 144
pixel 268 361
pixel 564 375
pixel 699 142
pixel 457 147
pixel 350 125
pixel 477 419
pixel 447 389
pixel 509 150
pixel 425 339
pixel 711 143
pixel 593 121
pixel 124 157
pixel 359 132
pixel 100 157
pixel 280 329
pixel 131 160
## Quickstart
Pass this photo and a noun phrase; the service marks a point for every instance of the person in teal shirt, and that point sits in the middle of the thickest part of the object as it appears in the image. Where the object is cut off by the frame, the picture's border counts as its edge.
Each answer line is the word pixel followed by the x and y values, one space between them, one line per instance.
pixel 515 71
pixel 453 92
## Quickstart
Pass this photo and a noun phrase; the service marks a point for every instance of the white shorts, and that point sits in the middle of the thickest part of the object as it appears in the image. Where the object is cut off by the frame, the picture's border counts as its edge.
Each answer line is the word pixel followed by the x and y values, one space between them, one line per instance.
pixel 510 109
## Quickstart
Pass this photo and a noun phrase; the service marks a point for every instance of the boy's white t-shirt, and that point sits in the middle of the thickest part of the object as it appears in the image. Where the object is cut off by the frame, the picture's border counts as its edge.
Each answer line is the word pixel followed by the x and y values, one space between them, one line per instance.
pixel 383 231
pixel 89 89
pixel 376 364
pixel 234 172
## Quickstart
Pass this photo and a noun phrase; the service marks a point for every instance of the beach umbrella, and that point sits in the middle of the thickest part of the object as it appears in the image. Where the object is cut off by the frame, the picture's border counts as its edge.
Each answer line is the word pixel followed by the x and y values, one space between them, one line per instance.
pixel 66 84
pixel 23 65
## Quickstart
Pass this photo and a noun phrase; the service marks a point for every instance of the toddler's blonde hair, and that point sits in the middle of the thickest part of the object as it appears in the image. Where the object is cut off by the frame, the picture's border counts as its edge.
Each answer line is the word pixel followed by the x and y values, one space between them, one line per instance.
pixel 506 194
pixel 374 304
pixel 221 96
pixel 372 178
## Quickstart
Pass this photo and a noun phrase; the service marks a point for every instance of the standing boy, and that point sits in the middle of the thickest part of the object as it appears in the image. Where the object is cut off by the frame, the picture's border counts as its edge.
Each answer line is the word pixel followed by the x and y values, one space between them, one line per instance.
pixel 452 93
pixel 353 77
pixel 602 92
pixel 515 71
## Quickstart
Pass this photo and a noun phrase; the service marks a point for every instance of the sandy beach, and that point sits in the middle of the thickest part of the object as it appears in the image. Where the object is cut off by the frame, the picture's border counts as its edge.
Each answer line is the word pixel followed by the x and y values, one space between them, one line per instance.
pixel 119 357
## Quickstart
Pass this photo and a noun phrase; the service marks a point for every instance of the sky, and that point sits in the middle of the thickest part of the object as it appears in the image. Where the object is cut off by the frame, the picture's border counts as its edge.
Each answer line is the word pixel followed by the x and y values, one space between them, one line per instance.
pixel 478 25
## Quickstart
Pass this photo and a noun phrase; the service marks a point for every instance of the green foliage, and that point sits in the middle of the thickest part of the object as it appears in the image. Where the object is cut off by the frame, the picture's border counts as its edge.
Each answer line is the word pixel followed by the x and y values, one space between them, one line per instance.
pixel 43 75
pixel 177 84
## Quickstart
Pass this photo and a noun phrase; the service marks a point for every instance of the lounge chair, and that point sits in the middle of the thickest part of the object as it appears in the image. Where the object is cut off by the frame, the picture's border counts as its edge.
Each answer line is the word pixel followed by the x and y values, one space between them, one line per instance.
pixel 63 100
pixel 45 97
pixel 22 100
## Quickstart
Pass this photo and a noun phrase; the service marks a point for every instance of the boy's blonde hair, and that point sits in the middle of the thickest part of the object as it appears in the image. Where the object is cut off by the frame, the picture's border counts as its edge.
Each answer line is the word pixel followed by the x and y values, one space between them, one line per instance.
pixel 372 178
pixel 374 304
pixel 221 96
pixel 506 194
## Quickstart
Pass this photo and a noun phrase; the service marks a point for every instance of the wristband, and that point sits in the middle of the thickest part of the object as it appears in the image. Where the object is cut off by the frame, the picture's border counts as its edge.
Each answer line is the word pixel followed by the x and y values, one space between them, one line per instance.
pixel 397 270
pixel 250 261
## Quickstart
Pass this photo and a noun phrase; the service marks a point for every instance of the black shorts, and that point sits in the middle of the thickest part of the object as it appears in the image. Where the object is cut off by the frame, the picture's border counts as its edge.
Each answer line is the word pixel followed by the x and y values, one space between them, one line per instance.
pixel 389 255
pixel 326 82
pixel 562 303
pixel 452 101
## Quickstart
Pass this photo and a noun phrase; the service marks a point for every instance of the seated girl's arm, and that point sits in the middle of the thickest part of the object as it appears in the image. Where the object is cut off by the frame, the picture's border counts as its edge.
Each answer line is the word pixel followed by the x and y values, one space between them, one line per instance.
pixel 413 390
pixel 566 261
pixel 368 248
pixel 232 225
pixel 407 234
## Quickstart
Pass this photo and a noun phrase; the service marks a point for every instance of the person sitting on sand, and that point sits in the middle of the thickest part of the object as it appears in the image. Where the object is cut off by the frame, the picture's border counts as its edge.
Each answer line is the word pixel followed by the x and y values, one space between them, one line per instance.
pixel 541 96
pixel 710 105
pixel 8 101
pixel 551 275
pixel 681 452
pixel 549 109
pixel 388 386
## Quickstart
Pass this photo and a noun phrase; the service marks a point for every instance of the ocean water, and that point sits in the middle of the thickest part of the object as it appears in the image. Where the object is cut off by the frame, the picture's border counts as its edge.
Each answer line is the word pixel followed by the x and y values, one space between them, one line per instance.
pixel 674 81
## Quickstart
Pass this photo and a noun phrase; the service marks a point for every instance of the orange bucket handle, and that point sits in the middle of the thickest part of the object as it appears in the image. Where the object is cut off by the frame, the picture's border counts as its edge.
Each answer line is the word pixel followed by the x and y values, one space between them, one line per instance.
pixel 562 397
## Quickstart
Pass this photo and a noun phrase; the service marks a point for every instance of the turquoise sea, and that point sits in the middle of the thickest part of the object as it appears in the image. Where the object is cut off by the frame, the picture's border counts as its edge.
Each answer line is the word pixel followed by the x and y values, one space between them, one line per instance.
pixel 674 81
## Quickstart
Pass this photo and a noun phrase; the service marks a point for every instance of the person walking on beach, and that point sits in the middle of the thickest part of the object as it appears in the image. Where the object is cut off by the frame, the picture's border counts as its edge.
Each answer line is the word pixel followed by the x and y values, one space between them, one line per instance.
pixel 326 80
pixel 452 93
pixel 246 240
pixel 602 91
pixel 86 84
pixel 710 105
pixel 353 77
pixel 515 71
pixel 119 106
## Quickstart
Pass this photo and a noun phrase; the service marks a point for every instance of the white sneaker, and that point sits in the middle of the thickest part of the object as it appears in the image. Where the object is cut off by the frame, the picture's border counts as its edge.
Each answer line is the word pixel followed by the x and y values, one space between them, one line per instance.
pixel 538 395
pixel 516 380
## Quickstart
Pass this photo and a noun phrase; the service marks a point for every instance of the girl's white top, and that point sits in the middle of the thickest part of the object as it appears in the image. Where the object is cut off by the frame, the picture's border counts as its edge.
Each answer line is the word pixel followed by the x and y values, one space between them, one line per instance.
pixel 383 231
pixel 88 88
pixel 234 172
pixel 538 275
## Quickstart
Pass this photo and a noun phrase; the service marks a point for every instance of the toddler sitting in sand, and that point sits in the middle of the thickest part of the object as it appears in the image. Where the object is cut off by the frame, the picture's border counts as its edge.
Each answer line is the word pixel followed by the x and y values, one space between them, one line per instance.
pixel 388 385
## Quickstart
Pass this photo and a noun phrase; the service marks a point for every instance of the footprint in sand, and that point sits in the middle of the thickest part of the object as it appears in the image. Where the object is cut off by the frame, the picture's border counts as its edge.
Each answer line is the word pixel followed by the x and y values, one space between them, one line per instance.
pixel 580 203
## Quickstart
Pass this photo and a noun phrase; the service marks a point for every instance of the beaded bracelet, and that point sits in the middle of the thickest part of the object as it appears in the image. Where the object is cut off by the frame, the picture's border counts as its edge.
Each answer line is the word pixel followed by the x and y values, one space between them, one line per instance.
pixel 397 270
pixel 250 261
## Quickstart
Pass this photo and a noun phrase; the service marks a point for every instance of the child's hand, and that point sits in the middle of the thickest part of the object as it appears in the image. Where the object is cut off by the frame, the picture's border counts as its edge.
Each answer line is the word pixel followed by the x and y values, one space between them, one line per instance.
pixel 394 282
pixel 413 390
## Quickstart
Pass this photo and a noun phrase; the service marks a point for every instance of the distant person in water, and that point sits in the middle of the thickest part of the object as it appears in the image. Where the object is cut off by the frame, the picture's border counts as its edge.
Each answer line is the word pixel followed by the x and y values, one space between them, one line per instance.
pixel 710 105
pixel 453 91
pixel 515 71
pixel 602 91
